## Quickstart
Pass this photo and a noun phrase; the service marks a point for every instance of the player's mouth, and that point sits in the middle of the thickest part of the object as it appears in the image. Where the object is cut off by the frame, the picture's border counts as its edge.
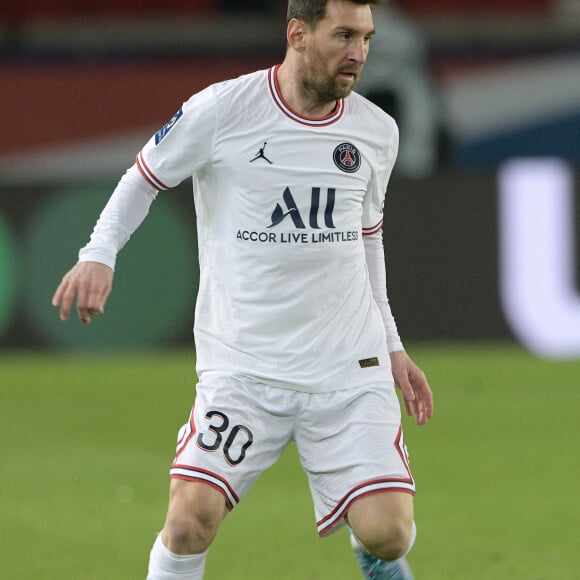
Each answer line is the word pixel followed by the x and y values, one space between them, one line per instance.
pixel 348 75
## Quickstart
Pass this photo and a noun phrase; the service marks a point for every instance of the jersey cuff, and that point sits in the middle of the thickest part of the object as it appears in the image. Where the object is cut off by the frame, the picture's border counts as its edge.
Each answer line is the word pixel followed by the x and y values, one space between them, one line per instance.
pixel 94 255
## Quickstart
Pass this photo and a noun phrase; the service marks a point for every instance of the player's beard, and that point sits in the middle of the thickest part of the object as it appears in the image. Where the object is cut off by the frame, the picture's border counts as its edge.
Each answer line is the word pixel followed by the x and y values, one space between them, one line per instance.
pixel 326 87
pixel 328 90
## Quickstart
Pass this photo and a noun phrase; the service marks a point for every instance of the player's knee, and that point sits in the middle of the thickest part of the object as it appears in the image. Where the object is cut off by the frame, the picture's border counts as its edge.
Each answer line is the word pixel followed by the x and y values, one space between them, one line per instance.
pixel 192 523
pixel 394 545
pixel 391 541
pixel 190 532
pixel 384 524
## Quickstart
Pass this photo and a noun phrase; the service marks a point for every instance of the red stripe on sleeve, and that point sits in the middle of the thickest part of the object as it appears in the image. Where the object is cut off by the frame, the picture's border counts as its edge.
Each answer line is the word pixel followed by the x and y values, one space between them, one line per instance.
pixel 148 174
pixel 372 230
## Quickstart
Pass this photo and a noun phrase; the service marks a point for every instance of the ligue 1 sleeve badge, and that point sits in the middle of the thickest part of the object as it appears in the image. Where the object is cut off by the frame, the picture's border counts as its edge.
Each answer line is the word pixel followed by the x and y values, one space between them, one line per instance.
pixel 347 157
pixel 160 135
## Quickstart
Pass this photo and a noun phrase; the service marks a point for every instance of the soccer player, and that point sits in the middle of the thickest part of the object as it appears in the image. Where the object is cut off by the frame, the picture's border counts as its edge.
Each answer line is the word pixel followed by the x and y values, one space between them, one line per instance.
pixel 294 335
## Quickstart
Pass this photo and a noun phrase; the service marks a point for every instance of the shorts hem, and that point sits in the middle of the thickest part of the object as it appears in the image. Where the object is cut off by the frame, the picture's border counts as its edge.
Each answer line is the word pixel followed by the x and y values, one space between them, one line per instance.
pixel 335 519
pixel 195 474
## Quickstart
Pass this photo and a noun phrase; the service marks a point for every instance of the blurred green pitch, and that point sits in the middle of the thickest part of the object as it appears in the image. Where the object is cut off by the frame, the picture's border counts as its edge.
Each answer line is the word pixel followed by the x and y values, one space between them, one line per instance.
pixel 87 441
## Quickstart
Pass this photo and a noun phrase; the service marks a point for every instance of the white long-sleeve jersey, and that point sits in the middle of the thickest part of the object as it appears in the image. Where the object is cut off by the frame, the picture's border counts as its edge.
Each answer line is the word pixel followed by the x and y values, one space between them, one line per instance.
pixel 289 219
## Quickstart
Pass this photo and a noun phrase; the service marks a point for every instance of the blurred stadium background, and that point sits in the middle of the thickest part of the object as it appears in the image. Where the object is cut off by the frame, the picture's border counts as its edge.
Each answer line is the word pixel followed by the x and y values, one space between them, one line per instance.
pixel 481 236
pixel 474 86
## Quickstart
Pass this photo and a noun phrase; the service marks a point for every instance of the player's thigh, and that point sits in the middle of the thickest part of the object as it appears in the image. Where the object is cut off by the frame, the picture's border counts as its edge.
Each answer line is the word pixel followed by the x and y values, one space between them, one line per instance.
pixel 351 447
pixel 372 514
pixel 193 503
pixel 237 429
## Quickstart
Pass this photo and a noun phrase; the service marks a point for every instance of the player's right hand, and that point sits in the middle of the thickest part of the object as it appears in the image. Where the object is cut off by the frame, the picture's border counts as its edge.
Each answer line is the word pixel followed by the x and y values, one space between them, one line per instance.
pixel 89 283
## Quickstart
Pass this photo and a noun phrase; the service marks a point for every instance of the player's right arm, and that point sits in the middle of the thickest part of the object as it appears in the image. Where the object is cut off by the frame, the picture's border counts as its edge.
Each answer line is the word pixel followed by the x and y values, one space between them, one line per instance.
pixel 90 281
pixel 165 161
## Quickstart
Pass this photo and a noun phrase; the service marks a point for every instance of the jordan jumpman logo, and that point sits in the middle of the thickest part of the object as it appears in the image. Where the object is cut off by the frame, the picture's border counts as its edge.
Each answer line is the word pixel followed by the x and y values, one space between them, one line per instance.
pixel 260 154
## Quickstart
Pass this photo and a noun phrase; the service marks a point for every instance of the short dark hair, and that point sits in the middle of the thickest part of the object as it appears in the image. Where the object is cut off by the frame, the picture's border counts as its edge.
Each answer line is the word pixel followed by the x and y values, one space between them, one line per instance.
pixel 313 11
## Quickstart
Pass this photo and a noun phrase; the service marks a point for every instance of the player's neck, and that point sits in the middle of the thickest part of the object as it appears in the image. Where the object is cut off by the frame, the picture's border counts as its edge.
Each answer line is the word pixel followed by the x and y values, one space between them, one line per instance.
pixel 297 98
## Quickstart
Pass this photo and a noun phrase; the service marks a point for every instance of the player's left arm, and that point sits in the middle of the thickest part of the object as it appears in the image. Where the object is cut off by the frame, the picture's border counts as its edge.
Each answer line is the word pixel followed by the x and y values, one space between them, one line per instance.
pixel 417 395
pixel 411 380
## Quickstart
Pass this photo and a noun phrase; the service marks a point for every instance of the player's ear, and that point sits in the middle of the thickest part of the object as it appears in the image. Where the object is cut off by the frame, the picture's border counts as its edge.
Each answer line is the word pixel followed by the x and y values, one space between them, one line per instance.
pixel 295 34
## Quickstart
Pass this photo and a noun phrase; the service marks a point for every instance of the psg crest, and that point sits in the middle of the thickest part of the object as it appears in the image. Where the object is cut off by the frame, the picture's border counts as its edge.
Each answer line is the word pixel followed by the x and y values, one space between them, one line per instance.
pixel 347 157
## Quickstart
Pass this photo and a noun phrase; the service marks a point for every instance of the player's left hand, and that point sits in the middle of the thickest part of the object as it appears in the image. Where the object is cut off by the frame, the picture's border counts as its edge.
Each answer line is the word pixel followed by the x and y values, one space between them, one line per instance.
pixel 417 394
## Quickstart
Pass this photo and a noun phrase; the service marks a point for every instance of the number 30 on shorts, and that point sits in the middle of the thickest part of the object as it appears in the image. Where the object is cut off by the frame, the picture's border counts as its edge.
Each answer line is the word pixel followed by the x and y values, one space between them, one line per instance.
pixel 220 427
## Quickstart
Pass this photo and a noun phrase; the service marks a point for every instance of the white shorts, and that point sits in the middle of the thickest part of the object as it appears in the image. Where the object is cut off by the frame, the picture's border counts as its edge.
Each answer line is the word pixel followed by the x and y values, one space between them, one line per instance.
pixel 350 442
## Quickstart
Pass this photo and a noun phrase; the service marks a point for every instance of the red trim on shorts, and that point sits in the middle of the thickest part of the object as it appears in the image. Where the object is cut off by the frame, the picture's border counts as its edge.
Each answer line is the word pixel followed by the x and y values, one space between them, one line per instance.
pixel 209 477
pixel 328 522
pixel 187 435
pixel 402 450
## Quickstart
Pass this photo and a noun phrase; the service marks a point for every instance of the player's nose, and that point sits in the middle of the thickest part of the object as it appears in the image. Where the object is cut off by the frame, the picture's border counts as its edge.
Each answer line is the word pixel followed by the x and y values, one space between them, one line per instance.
pixel 359 51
